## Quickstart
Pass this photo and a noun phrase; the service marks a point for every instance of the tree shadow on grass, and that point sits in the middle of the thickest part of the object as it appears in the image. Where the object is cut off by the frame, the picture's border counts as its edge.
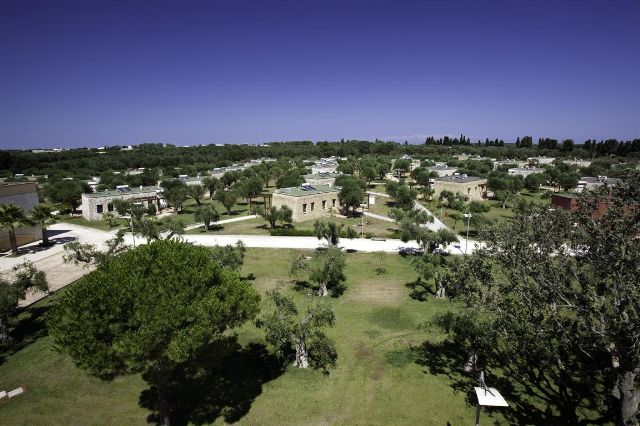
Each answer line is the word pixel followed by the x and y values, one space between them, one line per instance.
pixel 420 290
pixel 29 326
pixel 527 405
pixel 202 392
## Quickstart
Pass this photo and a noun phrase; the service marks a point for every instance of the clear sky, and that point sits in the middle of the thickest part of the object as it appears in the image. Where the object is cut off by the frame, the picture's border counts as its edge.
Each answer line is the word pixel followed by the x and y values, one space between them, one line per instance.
pixel 93 72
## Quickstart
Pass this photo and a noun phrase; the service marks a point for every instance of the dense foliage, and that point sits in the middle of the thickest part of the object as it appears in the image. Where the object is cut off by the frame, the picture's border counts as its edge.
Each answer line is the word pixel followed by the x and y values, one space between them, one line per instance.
pixel 150 310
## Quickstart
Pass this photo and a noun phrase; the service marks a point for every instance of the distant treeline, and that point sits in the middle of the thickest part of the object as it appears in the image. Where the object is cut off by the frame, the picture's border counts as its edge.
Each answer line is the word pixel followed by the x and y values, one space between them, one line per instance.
pixel 92 161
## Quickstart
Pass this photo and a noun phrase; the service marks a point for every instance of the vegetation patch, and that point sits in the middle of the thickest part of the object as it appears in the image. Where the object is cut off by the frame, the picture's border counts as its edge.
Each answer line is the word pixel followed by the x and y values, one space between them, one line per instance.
pixel 391 318
pixel 400 357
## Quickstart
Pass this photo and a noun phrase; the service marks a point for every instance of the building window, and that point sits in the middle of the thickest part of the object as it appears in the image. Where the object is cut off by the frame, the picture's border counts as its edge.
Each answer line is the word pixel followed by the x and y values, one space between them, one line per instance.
pixel 333 202
pixel 313 206
pixel 99 208
pixel 324 204
pixel 110 207
pixel 304 208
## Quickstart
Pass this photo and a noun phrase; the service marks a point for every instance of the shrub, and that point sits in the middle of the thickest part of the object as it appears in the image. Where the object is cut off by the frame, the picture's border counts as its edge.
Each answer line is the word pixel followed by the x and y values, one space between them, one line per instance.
pixel 291 232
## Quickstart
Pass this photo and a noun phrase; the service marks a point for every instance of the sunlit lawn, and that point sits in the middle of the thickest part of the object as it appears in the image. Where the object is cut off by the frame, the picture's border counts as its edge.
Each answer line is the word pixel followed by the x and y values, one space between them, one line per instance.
pixel 495 215
pixel 259 226
pixel 377 380
pixel 96 224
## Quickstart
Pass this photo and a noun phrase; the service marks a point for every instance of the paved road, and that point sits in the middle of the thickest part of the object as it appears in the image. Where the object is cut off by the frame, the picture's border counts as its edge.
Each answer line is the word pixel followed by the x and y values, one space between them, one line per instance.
pixel 222 222
pixel 60 274
pixel 379 194
pixel 379 216
pixel 458 248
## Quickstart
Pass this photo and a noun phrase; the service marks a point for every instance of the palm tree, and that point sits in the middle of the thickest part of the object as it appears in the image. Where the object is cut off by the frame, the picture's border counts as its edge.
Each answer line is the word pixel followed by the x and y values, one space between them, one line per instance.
pixel 11 217
pixel 43 217
pixel 109 217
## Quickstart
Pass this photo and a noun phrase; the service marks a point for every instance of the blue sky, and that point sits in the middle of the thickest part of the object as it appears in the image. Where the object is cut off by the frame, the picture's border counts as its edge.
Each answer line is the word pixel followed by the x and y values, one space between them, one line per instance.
pixel 92 73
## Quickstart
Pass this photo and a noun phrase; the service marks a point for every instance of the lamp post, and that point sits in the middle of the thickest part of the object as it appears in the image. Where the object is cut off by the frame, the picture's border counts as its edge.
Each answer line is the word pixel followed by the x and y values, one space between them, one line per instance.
pixel 466 242
pixel 487 397
pixel 131 227
pixel 362 229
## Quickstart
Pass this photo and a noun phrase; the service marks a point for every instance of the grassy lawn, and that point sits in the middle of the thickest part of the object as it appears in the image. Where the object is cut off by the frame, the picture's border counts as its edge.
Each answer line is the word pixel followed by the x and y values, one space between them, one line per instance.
pixel 241 208
pixel 382 206
pixel 381 188
pixel 377 380
pixel 259 226
pixel 96 224
pixel 495 215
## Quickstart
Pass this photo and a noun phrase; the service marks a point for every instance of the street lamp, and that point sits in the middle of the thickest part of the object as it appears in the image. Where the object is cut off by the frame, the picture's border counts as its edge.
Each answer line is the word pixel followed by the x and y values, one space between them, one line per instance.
pixel 487 397
pixel 131 227
pixel 466 243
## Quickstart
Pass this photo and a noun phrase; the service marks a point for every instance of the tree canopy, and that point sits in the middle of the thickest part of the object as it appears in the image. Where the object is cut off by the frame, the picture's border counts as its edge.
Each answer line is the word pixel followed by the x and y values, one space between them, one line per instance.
pixel 26 277
pixel 568 280
pixel 149 310
pixel 302 335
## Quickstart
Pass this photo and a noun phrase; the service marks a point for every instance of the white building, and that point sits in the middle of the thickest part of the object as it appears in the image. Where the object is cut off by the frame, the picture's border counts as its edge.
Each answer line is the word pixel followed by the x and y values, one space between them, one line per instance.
pixel 442 170
pixel 524 171
pixel 94 205
pixel 589 183
pixel 541 160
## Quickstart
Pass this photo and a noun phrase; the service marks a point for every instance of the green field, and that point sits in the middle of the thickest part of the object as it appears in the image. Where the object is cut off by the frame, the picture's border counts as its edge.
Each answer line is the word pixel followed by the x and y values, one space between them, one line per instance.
pixel 495 215
pixel 259 226
pixel 377 380
pixel 241 208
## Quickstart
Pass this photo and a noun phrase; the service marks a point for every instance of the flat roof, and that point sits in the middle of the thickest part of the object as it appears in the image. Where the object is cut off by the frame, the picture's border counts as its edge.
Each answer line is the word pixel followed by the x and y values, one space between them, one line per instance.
pixel 2 184
pixel 322 176
pixel 458 179
pixel 115 193
pixel 298 191
pixel 593 179
pixel 528 169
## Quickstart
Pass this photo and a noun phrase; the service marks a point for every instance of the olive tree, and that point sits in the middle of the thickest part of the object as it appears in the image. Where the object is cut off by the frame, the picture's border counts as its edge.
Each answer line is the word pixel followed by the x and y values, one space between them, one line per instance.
pixel 325 269
pixel 206 214
pixel 26 278
pixel 332 231
pixel 291 332
pixel 273 215
pixel 569 280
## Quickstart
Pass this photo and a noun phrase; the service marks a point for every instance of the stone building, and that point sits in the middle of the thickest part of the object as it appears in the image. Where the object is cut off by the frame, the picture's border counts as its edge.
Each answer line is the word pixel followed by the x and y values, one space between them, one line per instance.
pixel 307 201
pixel 525 171
pixel 96 204
pixel 541 160
pixel 442 170
pixel 325 165
pixel 25 195
pixel 588 183
pixel 327 179
pixel 475 188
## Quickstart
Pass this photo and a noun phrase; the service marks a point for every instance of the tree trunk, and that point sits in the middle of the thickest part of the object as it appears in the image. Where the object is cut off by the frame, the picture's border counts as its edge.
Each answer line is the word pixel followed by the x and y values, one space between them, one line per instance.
pixel 5 337
pixel 440 292
pixel 302 356
pixel 322 290
pixel 472 362
pixel 45 237
pixel 629 396
pixel 163 407
pixel 14 242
